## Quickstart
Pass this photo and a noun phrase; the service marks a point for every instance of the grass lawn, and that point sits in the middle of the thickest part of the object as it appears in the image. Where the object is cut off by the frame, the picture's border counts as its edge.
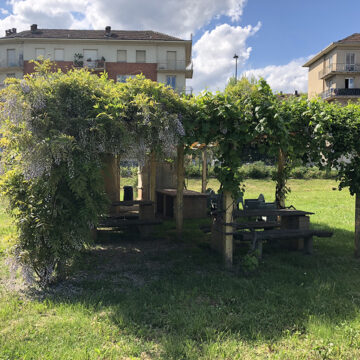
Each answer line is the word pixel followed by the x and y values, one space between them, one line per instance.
pixel 162 299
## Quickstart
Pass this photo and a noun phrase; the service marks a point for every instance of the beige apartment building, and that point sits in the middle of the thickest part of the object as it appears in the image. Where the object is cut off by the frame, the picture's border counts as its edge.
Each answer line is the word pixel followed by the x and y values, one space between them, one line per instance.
pixel 121 54
pixel 334 73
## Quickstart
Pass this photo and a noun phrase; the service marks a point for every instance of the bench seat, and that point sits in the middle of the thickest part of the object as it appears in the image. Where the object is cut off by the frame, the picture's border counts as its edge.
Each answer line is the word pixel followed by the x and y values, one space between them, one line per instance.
pixel 258 236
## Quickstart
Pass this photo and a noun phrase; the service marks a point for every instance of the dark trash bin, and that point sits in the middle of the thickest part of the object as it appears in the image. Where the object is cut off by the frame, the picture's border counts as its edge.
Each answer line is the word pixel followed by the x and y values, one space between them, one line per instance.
pixel 128 193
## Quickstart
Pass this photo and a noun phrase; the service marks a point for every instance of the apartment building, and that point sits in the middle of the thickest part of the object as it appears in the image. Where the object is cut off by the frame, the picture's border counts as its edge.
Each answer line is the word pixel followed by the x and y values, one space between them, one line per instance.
pixel 121 54
pixel 334 73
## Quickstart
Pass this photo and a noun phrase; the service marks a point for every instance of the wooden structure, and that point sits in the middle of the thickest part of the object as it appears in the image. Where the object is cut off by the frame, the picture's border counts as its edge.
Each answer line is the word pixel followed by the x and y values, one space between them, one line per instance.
pixel 291 225
pixel 194 203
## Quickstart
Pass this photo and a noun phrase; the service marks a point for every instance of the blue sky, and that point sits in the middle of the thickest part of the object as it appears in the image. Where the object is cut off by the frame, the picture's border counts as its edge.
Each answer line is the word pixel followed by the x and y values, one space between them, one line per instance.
pixel 273 38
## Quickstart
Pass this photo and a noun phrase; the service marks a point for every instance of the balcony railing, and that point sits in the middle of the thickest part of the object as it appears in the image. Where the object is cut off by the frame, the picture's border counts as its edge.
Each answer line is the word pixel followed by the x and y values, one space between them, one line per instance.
pixel 7 63
pixel 95 65
pixel 340 92
pixel 187 90
pixel 174 65
pixel 341 68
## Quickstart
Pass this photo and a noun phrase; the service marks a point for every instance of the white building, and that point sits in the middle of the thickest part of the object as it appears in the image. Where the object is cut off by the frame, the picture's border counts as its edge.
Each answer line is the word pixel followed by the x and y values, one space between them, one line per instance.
pixel 121 54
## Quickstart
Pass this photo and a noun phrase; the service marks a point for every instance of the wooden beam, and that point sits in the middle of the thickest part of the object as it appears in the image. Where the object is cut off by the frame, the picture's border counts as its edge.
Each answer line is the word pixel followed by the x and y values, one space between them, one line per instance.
pixel 111 176
pixel 357 225
pixel 153 178
pixel 228 207
pixel 204 170
pixel 280 186
pixel 180 190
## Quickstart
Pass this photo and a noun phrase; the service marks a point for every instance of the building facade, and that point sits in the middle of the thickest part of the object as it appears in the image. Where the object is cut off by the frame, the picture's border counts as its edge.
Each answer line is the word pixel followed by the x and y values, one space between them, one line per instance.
pixel 121 54
pixel 334 73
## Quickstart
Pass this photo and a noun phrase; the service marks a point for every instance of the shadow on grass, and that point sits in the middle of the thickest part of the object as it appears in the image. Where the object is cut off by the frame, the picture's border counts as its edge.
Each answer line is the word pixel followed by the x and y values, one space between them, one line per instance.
pixel 179 295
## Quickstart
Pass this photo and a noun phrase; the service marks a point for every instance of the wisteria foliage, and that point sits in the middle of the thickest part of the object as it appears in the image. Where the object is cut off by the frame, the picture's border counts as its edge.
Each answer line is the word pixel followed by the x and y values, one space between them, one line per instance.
pixel 55 127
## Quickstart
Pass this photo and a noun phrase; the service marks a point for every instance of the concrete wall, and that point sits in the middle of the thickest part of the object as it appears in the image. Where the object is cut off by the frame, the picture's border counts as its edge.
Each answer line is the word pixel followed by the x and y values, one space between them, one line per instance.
pixel 315 85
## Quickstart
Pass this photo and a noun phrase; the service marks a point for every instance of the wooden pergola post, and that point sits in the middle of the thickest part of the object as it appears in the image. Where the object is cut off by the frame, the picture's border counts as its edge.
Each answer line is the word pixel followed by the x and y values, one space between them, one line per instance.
pixel 228 207
pixel 111 175
pixel 357 225
pixel 204 170
pixel 153 178
pixel 279 196
pixel 180 190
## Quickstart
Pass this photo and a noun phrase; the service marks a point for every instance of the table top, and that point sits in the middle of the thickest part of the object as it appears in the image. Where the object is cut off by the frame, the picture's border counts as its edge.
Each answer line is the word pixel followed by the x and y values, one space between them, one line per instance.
pixel 271 212
pixel 187 193
pixel 132 202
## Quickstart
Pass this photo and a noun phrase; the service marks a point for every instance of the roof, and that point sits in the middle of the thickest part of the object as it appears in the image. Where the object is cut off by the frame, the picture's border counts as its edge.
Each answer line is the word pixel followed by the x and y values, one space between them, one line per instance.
pixel 354 38
pixel 92 34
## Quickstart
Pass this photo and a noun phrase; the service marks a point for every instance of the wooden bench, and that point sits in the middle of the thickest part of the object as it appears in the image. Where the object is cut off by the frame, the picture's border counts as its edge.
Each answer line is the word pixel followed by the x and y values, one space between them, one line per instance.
pixel 144 221
pixel 257 237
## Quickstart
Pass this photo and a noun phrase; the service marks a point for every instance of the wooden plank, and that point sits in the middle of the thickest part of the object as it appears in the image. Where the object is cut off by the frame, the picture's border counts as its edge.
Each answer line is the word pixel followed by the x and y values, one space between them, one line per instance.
pixel 132 202
pixel 255 225
pixel 270 212
pixel 284 234
pixel 179 205
pixel 204 171
pixel 128 222
pixel 186 193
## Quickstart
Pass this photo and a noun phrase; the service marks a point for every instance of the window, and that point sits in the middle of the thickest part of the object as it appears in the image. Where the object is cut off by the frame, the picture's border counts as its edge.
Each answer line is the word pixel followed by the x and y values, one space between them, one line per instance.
pixel 59 55
pixel 90 55
pixel 349 83
pixel 39 52
pixel 330 62
pixel 171 81
pixel 350 62
pixel 171 60
pixel 121 56
pixel 11 57
pixel 140 56
pixel 122 78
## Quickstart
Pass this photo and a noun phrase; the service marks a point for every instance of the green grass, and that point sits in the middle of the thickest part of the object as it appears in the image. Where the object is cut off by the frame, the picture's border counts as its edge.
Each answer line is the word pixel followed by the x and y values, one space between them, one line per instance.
pixel 163 299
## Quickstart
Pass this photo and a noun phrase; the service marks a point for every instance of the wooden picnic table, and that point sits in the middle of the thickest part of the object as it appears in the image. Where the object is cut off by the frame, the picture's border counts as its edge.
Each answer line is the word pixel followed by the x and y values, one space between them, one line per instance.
pixel 290 225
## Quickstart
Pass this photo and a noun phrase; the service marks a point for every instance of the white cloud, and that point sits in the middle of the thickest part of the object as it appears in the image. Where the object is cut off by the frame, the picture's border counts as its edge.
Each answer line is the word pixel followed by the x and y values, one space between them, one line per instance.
pixel 179 18
pixel 213 55
pixel 286 78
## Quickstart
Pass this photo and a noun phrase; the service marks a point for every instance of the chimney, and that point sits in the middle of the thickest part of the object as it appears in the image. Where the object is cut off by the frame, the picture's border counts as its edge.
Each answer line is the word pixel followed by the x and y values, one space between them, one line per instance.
pixel 108 31
pixel 8 32
pixel 296 93
pixel 13 30
pixel 33 27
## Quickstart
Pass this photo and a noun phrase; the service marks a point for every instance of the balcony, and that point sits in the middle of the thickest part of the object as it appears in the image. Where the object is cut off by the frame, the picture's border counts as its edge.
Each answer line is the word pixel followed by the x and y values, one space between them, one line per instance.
pixel 176 65
pixel 95 64
pixel 12 63
pixel 336 93
pixel 339 68
pixel 187 90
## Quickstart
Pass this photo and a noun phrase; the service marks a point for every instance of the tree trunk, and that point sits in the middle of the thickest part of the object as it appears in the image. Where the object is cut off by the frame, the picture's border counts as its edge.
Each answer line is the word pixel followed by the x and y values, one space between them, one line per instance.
pixel 204 171
pixel 357 225
pixel 280 185
pixel 180 190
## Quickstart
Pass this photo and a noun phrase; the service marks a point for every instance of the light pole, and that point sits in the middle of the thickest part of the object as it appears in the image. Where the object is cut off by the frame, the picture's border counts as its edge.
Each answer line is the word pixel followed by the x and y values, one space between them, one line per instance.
pixel 236 59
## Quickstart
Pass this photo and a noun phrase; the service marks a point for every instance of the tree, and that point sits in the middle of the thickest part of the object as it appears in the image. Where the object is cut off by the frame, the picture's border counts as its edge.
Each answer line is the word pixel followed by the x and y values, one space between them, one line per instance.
pixel 338 134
